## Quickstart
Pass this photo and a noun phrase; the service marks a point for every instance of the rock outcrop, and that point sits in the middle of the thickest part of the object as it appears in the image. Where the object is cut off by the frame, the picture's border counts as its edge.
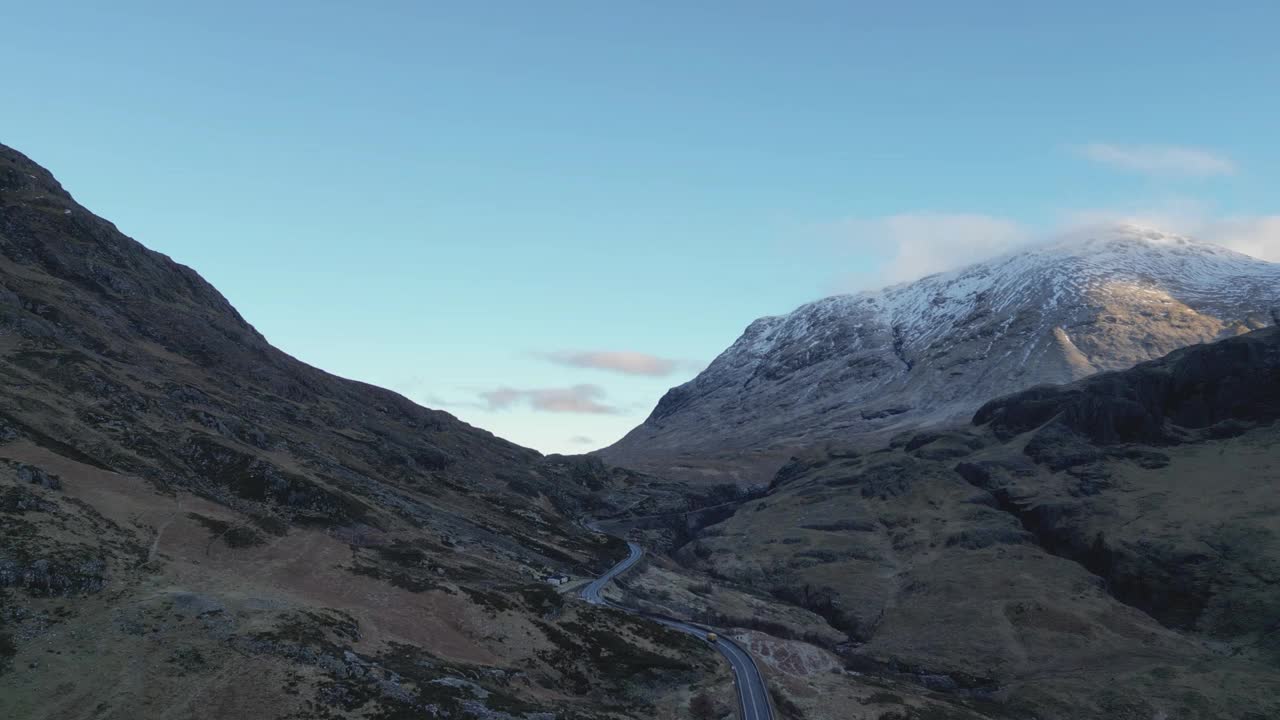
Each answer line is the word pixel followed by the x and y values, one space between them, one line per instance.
pixel 1229 384
pixel 1107 548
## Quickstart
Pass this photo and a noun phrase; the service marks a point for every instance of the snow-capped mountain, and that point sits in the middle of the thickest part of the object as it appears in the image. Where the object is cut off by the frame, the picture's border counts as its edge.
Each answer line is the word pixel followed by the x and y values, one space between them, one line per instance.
pixel 935 349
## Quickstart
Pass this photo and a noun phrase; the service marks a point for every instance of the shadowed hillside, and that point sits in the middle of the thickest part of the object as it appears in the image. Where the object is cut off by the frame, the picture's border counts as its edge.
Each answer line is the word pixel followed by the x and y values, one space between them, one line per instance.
pixel 194 523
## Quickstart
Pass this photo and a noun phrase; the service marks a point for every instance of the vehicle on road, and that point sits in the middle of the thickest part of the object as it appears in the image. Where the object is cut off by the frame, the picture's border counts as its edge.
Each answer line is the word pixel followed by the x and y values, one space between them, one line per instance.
pixel 712 637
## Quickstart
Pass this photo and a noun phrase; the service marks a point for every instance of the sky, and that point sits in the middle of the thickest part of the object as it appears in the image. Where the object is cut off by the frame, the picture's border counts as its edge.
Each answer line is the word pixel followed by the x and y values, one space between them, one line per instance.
pixel 541 216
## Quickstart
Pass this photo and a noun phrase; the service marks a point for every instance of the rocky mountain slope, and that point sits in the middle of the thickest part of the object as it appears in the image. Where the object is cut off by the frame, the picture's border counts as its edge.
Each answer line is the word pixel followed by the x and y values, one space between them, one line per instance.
pixel 1108 549
pixel 934 350
pixel 195 524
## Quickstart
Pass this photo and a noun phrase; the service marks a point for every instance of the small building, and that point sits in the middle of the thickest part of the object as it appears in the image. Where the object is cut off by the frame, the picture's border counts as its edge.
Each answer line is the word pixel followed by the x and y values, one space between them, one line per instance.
pixel 557 580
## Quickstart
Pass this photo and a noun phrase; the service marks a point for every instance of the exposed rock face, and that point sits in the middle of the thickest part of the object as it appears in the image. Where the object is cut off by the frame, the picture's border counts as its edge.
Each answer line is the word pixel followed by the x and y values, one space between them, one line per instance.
pixel 936 349
pixel 1108 548
pixel 1233 381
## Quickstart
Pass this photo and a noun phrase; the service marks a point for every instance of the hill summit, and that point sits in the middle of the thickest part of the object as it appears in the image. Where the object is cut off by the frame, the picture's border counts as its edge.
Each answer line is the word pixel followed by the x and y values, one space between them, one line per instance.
pixel 933 350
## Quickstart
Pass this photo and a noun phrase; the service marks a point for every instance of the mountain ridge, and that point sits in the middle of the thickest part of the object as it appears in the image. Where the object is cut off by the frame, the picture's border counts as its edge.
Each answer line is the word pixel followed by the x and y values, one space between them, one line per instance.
pixel 934 349
pixel 194 523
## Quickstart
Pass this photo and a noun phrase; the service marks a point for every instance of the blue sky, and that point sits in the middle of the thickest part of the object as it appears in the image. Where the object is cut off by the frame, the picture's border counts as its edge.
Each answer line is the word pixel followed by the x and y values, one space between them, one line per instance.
pixel 465 201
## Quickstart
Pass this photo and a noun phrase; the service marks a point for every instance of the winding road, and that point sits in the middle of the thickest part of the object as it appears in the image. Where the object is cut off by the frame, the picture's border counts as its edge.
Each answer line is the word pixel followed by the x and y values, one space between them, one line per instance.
pixel 753 696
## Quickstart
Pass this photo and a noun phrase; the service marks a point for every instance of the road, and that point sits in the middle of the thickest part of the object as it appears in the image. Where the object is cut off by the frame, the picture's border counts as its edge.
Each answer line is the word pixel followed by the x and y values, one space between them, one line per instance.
pixel 591 593
pixel 753 696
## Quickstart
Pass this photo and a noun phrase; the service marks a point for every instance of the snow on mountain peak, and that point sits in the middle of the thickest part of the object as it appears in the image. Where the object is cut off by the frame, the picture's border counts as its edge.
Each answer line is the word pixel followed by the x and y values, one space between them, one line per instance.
pixel 1062 271
pixel 1125 238
pixel 1099 298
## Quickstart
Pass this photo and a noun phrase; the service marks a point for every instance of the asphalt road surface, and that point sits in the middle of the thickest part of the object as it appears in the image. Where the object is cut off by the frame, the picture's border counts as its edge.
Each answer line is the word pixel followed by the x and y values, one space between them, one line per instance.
pixel 753 697
pixel 591 593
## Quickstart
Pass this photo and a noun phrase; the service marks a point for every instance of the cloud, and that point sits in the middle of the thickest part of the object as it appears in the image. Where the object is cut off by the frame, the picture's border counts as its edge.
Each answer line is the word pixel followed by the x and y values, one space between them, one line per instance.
pixel 1257 236
pixel 581 440
pixel 919 244
pixel 1254 235
pixel 433 400
pixel 913 245
pixel 576 399
pixel 1159 159
pixel 619 361
pixel 503 398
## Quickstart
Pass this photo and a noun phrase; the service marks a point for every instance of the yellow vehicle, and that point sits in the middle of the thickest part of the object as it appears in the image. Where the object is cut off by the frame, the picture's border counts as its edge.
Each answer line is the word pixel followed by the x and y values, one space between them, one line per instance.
pixel 712 637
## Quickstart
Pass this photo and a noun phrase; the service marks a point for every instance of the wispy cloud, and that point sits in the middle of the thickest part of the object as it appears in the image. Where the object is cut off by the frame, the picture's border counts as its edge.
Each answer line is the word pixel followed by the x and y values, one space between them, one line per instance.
pixel 583 398
pixel 1159 159
pixel 1254 235
pixel 913 245
pixel 918 244
pixel 432 400
pixel 620 361
pixel 1258 236
pixel 581 440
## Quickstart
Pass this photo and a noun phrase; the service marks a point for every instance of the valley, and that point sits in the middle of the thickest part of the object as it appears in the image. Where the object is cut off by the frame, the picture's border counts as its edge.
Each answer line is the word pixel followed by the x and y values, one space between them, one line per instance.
pixel 1043 486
